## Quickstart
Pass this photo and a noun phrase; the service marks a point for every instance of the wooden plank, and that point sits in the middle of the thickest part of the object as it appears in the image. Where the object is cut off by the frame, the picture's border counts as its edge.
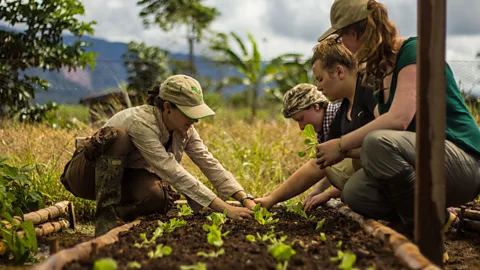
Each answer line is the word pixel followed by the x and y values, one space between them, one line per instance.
pixel 430 121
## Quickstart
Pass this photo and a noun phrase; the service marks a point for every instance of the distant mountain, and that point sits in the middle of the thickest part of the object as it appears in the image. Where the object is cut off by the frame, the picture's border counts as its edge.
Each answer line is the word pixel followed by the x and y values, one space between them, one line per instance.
pixel 109 72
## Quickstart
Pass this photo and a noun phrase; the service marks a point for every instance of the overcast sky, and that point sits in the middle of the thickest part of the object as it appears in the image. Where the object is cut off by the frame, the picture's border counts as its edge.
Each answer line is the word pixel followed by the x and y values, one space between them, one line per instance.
pixel 280 26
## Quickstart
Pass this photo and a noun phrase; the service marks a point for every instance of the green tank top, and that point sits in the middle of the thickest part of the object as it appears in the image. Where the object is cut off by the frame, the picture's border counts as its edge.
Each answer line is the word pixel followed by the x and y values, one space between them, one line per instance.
pixel 461 127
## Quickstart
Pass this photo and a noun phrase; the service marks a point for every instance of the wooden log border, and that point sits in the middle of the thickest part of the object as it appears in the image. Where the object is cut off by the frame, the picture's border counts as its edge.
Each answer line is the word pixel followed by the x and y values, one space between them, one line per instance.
pixel 82 251
pixel 407 252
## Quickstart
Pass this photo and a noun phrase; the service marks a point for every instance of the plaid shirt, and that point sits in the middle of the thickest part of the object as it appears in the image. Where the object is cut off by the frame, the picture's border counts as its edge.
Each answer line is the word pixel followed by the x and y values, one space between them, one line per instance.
pixel 330 113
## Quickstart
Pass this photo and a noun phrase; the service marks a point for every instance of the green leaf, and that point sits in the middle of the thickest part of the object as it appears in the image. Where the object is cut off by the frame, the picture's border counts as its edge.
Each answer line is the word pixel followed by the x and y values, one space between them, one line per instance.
pixel 308 141
pixel 302 153
pixel 281 251
pixel 339 243
pixel 198 266
pixel 134 265
pixel 250 238
pixel 323 237
pixel 348 261
pixel 309 132
pixel 320 224
pixel 105 264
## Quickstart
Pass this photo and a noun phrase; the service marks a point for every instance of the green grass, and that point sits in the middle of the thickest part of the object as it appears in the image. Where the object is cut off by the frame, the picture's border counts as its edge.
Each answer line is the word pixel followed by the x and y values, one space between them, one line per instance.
pixel 79 112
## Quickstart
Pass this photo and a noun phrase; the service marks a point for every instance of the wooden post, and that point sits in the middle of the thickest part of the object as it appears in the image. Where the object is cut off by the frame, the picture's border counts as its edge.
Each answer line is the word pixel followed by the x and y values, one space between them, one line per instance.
pixel 72 219
pixel 53 246
pixel 430 121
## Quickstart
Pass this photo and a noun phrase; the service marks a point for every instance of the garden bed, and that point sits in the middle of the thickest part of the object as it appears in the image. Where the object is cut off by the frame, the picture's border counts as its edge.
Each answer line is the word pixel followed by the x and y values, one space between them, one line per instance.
pixel 341 233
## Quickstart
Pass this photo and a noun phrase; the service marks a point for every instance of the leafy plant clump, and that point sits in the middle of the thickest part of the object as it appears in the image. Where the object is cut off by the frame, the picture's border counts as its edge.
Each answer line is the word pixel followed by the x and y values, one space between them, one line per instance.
pixel 310 140
pixel 198 266
pixel 281 251
pixel 212 254
pixel 214 236
pixel 159 231
pixel 218 219
pixel 300 211
pixel 172 225
pixel 184 210
pixel 347 260
pixel 263 216
pixel 160 251
pixel 105 264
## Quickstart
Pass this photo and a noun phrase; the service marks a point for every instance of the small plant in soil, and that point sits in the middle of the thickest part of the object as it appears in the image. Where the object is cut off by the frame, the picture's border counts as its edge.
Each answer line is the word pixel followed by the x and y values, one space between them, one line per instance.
pixel 218 218
pixel 134 265
pixel 310 140
pixel 323 237
pixel 172 225
pixel 281 251
pixel 105 264
pixel 214 236
pixel 301 212
pixel 184 210
pixel 263 216
pixel 320 224
pixel 270 235
pixel 212 254
pixel 198 266
pixel 160 251
pixel 347 260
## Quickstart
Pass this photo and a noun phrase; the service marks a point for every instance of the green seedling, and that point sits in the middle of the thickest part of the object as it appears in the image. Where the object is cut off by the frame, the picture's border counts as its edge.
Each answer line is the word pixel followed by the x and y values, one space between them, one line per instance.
pixel 320 224
pixel 172 225
pixel 281 251
pixel 160 251
pixel 282 266
pixel 348 260
pixel 212 254
pixel 310 140
pixel 270 235
pixel 339 244
pixel 134 265
pixel 218 218
pixel 198 266
pixel 301 212
pixel 146 242
pixel 250 238
pixel 263 216
pixel 105 264
pixel 184 210
pixel 214 236
pixel 290 205
pixel 338 258
pixel 323 237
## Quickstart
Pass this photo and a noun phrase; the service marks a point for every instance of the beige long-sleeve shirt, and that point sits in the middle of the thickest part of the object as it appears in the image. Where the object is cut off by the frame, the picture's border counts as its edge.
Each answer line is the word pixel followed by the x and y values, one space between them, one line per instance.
pixel 148 133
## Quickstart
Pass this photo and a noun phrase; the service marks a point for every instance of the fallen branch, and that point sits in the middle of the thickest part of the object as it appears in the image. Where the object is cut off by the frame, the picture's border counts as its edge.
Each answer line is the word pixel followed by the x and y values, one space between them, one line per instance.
pixel 82 251
pixel 48 213
pixel 470 214
pixel 407 252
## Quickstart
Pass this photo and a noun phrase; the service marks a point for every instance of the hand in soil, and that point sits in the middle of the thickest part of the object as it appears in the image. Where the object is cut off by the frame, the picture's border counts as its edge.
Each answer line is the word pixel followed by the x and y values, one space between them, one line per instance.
pixel 312 194
pixel 266 202
pixel 250 204
pixel 239 212
pixel 315 201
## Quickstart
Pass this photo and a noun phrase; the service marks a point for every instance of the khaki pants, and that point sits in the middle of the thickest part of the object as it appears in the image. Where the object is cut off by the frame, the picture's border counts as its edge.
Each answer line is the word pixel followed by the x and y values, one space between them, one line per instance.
pixel 143 192
pixel 339 173
pixel 385 187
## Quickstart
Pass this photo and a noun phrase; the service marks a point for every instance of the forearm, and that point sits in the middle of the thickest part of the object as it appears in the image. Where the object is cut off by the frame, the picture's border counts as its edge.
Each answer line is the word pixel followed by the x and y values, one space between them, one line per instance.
pixel 355 138
pixel 333 193
pixel 219 205
pixel 322 185
pixel 354 153
pixel 298 182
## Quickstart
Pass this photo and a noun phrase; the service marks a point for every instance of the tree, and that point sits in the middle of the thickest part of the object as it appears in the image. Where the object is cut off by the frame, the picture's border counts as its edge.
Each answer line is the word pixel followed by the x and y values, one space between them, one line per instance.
pixel 253 74
pixel 146 66
pixel 173 13
pixel 294 72
pixel 40 45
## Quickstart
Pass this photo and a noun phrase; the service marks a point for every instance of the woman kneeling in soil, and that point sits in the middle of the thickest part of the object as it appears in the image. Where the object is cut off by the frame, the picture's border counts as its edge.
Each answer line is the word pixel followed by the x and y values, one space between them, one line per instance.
pixel 338 77
pixel 129 164
pixel 385 187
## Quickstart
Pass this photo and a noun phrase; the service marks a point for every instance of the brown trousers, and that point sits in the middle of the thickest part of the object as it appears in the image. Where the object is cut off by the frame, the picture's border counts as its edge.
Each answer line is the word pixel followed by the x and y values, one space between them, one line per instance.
pixel 143 192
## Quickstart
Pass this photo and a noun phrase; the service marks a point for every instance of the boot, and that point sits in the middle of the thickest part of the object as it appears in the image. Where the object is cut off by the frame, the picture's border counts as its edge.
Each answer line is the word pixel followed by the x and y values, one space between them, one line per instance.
pixel 108 189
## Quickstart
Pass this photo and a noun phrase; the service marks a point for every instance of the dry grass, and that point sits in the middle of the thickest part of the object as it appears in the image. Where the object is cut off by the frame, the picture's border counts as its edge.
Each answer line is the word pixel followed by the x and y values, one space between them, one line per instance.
pixel 260 155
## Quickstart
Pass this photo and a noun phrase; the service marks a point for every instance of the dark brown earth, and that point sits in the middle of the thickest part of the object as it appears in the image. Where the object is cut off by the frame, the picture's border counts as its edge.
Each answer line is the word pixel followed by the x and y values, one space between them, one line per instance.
pixel 311 252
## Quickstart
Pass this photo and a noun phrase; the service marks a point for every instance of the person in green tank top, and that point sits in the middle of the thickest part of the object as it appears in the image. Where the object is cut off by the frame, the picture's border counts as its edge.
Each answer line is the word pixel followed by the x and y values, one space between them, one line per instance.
pixel 385 187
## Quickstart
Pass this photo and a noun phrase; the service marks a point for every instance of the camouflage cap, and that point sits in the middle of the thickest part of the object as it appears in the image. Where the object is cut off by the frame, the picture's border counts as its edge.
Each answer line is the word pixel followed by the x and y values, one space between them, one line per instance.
pixel 300 98
pixel 187 94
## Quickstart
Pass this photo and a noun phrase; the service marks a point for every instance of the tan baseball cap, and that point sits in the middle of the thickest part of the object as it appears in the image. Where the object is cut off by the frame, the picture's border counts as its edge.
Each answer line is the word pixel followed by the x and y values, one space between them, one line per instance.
pixel 344 13
pixel 300 98
pixel 185 92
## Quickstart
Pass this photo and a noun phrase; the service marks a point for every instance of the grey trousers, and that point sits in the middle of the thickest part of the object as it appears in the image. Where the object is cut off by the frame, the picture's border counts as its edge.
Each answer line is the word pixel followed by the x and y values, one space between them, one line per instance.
pixel 385 187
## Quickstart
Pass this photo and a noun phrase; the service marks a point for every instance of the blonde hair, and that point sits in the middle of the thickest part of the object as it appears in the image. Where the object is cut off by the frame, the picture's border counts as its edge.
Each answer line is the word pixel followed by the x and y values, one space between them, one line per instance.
pixel 331 52
pixel 378 49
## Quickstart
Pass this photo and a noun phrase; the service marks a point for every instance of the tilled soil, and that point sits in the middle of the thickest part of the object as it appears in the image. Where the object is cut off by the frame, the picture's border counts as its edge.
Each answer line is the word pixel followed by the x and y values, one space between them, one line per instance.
pixel 311 251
